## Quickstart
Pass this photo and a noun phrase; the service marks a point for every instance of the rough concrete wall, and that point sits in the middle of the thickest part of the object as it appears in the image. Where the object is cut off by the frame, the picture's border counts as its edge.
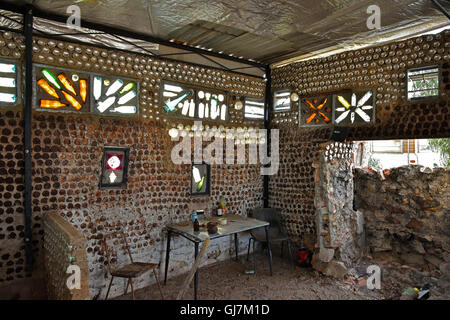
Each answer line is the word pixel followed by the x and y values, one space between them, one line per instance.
pixel 67 150
pixel 407 215
pixel 64 245
pixel 291 190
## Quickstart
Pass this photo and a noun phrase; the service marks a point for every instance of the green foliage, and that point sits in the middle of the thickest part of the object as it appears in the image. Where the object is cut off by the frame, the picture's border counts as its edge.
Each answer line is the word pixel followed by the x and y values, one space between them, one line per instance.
pixel 427 86
pixel 374 163
pixel 443 147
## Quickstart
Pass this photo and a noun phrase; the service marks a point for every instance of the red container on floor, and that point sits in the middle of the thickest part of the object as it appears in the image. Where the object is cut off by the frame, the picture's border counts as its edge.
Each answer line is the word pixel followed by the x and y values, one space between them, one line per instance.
pixel 304 257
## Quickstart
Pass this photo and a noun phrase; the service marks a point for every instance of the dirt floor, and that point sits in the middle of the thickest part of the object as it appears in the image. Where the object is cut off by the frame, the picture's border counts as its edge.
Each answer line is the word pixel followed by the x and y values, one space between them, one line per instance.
pixel 227 281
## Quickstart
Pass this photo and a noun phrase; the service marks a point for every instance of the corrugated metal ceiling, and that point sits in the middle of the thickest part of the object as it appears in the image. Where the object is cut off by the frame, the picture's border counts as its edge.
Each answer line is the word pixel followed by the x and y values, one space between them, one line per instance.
pixel 268 31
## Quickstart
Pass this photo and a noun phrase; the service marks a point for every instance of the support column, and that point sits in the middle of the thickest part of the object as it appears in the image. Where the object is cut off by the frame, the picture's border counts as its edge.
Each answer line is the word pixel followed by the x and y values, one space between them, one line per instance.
pixel 27 114
pixel 268 107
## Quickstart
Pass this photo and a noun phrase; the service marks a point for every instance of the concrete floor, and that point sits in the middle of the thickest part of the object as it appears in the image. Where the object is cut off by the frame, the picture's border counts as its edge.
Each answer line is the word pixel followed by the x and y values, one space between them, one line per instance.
pixel 227 281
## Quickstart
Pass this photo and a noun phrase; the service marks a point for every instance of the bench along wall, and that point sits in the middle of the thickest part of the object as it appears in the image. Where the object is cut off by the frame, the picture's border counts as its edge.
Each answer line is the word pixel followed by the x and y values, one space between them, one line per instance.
pixel 67 151
pixel 64 248
pixel 381 69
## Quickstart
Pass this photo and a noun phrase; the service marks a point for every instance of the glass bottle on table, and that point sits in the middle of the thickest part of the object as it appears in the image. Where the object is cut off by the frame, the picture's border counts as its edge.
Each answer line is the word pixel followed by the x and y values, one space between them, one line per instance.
pixel 196 225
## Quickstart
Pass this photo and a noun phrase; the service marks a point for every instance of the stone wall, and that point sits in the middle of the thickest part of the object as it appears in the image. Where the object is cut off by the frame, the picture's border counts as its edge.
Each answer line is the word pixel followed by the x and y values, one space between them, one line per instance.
pixel 407 215
pixel 64 246
pixel 340 231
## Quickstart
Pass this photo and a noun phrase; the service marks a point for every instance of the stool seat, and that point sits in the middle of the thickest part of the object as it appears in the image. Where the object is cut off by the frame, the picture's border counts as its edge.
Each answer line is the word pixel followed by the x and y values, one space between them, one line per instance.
pixel 133 270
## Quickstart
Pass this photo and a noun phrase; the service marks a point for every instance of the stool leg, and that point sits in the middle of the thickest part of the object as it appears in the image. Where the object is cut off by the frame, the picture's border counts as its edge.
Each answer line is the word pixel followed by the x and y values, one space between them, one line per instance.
pixel 159 284
pixel 254 256
pixel 109 287
pixel 128 283
pixel 132 289
pixel 236 247
pixel 248 251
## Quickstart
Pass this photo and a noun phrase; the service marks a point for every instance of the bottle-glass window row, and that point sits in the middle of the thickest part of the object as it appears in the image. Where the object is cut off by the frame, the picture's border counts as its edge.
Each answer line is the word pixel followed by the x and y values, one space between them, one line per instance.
pixel 9 82
pixel 254 109
pixel 282 101
pixel 186 101
pixel 66 90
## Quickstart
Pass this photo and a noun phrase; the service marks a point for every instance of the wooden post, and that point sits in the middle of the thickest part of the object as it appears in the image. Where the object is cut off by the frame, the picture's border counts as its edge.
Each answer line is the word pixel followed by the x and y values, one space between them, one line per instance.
pixel 194 269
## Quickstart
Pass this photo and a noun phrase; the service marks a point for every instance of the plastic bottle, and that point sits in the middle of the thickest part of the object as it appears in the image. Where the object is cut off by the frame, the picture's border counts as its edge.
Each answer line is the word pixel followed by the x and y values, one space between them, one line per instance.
pixel 194 216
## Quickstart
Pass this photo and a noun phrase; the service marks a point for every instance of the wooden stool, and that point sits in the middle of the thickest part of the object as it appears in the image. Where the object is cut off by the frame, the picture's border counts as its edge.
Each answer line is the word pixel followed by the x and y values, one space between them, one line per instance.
pixel 130 271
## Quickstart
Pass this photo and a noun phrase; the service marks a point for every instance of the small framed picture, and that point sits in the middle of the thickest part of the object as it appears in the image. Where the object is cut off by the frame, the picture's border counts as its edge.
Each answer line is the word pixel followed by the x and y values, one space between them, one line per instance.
pixel 114 167
pixel 200 179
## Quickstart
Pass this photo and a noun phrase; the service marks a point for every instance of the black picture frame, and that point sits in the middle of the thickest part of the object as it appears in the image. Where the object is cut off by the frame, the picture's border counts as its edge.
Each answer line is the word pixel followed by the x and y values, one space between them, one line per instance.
pixel 122 173
pixel 205 169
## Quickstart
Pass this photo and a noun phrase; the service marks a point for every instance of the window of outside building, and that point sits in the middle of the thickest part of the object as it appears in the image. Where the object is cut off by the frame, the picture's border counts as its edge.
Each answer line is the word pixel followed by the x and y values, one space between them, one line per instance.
pixel 423 146
pixel 387 146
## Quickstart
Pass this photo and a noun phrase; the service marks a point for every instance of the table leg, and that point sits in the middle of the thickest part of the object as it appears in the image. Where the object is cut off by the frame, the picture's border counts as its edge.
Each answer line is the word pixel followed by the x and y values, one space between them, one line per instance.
pixel 196 272
pixel 269 251
pixel 169 234
pixel 254 255
pixel 236 247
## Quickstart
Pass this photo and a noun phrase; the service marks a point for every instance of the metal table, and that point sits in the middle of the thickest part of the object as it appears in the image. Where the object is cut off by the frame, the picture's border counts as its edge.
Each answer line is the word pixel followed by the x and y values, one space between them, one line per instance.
pixel 234 225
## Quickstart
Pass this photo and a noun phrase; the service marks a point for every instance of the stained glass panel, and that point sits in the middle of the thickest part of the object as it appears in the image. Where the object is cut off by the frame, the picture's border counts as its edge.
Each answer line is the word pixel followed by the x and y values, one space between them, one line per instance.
pixel 200 179
pixel 354 107
pixel 282 101
pixel 114 167
pixel 316 111
pixel 114 95
pixel 61 90
pixel 187 101
pixel 9 82
pixel 254 109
